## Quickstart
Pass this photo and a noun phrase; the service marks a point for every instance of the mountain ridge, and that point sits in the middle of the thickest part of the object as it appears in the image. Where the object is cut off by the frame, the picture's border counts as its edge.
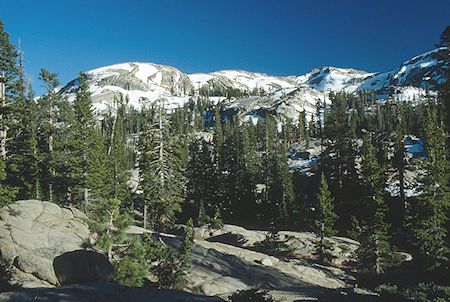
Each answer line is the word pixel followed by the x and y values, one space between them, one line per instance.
pixel 140 83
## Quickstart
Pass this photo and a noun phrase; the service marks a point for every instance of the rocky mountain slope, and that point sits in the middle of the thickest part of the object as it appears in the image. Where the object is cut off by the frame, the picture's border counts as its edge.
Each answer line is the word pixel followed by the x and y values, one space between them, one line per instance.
pixel 138 84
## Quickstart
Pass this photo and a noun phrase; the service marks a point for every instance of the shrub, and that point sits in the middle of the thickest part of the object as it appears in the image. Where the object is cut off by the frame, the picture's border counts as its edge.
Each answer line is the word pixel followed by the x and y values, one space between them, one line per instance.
pixel 170 266
pixel 272 245
pixel 132 268
pixel 251 295
pixel 424 292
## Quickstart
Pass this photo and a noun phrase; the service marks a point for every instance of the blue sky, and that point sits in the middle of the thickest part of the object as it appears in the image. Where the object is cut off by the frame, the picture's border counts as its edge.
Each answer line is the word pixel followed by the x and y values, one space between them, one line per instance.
pixel 278 37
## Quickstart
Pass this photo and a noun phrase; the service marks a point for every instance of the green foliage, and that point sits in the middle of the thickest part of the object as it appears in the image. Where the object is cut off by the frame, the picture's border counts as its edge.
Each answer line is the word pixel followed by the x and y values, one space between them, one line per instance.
pixel 6 194
pixel 161 171
pixel 109 221
pixel 87 156
pixel 431 228
pixel 325 220
pixel 12 86
pixel 23 164
pixel 201 184
pixel 323 250
pixel 216 222
pixel 254 295
pixel 339 153
pixel 171 265
pixel 424 292
pixel 326 217
pixel 132 268
pixel 14 212
pixel 303 132
pixel 374 253
pixel 118 164
pixel 280 189
pixel 273 245
pixel 203 218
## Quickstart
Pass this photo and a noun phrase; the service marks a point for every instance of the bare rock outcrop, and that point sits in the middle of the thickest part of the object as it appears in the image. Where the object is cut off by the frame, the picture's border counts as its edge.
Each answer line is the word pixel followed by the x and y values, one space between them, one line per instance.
pixel 301 244
pixel 224 261
pixel 33 233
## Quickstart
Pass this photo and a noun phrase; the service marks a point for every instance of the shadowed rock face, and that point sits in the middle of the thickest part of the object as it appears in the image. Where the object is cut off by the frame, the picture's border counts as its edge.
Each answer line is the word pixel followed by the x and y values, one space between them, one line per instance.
pixel 103 292
pixel 124 80
pixel 81 266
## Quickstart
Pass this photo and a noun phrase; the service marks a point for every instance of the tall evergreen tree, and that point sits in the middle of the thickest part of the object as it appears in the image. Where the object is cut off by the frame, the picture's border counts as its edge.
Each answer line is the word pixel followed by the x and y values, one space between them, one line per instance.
pixel 399 160
pixel 9 83
pixel 338 157
pixel 249 167
pixel 280 188
pixel 87 155
pixel 434 202
pixel 218 137
pixel 201 182
pixel 374 252
pixel 118 155
pixel 8 95
pixel 49 104
pixel 161 173
pixel 303 132
pixel 325 219
pixel 23 164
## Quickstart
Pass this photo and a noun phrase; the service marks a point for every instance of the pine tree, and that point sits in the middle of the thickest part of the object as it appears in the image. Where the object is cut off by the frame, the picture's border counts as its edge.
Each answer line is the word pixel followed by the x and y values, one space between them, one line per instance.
pixel 434 202
pixel 7 194
pixel 201 184
pixel 133 266
pixel 87 152
pixel 303 132
pixel 172 264
pixel 109 221
pixel 249 167
pixel 161 173
pixel 374 252
pixel 399 161
pixel 118 155
pixel 339 141
pixel 23 163
pixel 444 87
pixel 50 104
pixel 218 137
pixel 9 94
pixel 338 156
pixel 325 220
pixel 280 188
pixel 9 83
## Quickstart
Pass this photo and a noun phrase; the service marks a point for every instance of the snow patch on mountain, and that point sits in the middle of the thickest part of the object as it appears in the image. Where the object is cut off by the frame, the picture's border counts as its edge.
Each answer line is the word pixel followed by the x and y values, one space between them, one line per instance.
pixel 334 79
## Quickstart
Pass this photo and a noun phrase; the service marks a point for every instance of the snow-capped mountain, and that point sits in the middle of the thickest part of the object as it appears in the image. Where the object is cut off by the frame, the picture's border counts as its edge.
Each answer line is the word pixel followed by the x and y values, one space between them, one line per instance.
pixel 134 83
pixel 140 83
